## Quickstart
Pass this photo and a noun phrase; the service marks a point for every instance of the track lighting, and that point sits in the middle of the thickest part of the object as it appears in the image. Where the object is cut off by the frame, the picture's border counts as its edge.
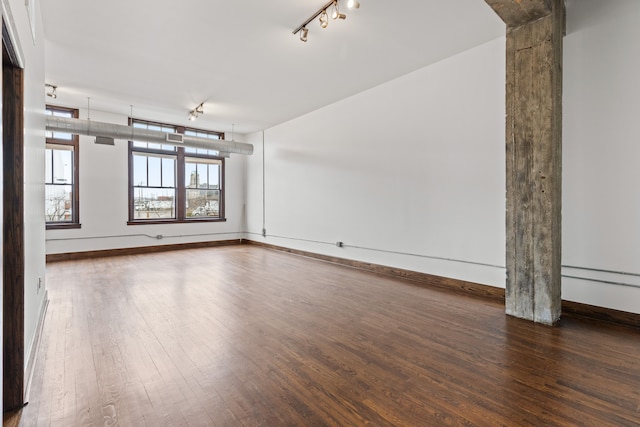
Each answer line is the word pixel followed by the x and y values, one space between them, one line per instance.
pixel 193 114
pixel 324 19
pixel 52 93
pixel 303 34
pixel 336 13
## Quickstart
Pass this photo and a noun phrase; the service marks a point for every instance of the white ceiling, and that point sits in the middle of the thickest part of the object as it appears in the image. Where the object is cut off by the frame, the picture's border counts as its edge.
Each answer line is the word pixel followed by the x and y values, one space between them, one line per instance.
pixel 240 56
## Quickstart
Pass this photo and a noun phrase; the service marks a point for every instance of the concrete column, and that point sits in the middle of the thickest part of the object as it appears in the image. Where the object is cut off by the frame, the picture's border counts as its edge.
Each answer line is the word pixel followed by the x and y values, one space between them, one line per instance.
pixel 534 156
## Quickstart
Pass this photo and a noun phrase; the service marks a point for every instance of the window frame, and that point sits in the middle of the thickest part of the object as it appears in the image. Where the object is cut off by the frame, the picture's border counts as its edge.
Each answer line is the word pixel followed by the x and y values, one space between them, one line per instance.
pixel 181 188
pixel 74 143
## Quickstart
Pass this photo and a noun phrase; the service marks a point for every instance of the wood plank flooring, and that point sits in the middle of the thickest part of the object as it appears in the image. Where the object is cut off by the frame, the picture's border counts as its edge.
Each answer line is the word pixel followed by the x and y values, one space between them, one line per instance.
pixel 245 336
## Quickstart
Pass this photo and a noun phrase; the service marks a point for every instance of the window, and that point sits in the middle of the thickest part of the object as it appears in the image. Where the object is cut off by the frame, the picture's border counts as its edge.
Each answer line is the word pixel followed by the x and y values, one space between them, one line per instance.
pixel 174 184
pixel 61 175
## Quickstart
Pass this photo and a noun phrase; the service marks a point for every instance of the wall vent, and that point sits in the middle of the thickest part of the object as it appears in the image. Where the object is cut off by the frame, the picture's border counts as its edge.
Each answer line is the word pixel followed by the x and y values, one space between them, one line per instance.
pixel 175 138
pixel 105 140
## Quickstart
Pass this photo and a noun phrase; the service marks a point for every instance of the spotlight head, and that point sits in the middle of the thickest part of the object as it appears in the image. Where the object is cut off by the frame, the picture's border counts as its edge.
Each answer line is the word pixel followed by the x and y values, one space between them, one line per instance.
pixel 353 4
pixel 303 34
pixel 53 90
pixel 193 114
pixel 324 19
pixel 336 13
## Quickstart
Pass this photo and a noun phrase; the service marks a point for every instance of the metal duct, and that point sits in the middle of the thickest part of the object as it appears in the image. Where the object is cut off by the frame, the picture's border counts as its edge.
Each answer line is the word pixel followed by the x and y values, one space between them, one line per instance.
pixel 129 133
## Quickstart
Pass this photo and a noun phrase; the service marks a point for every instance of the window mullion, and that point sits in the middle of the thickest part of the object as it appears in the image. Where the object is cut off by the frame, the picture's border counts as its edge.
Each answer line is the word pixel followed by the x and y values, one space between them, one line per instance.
pixel 74 191
pixel 221 189
pixel 180 185
pixel 51 172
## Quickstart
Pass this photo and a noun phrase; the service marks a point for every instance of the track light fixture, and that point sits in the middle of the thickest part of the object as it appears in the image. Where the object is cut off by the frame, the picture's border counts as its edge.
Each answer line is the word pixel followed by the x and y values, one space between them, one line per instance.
pixel 303 34
pixel 324 19
pixel 323 16
pixel 353 4
pixel 195 113
pixel 336 12
pixel 52 90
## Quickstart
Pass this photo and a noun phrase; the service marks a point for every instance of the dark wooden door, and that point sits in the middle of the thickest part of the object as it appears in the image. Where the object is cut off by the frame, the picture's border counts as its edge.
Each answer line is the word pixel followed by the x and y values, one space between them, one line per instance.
pixel 12 227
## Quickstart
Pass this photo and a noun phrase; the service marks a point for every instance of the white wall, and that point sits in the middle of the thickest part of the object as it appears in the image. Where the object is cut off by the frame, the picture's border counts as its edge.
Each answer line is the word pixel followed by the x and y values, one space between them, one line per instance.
pixel 104 203
pixel 32 54
pixel 34 178
pixel 601 164
pixel 417 166
pixel 411 173
pixel 414 166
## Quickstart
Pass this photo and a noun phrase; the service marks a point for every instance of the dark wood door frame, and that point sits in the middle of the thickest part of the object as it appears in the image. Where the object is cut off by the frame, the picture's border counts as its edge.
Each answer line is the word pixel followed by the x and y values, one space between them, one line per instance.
pixel 13 263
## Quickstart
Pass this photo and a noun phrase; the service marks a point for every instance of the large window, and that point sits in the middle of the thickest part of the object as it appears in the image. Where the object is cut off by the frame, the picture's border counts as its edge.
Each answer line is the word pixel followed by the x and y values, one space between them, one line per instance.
pixel 61 175
pixel 174 184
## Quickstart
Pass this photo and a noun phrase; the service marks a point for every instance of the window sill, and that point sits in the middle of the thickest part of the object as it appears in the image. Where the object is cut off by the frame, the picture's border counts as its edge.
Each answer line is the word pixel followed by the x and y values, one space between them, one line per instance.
pixel 174 221
pixel 62 226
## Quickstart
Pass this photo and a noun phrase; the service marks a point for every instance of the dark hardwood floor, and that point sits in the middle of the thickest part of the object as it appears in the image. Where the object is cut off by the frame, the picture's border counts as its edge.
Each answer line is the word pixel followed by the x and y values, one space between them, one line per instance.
pixel 245 336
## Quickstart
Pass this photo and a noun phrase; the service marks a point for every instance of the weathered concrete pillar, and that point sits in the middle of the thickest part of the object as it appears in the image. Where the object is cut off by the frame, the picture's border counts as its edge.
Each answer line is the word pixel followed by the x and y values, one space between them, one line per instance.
pixel 535 29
